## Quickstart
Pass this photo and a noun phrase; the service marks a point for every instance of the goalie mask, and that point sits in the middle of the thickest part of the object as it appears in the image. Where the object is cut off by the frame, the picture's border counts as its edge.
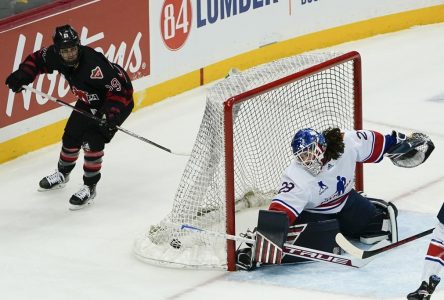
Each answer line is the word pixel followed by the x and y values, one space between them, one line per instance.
pixel 308 148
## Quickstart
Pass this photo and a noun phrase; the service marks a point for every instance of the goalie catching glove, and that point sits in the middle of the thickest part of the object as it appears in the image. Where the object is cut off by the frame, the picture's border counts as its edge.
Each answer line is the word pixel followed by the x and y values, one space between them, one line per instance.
pixel 410 151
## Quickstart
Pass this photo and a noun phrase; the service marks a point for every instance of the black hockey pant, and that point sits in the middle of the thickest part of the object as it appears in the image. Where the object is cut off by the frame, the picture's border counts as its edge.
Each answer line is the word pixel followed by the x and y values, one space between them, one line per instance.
pixel 83 132
pixel 357 213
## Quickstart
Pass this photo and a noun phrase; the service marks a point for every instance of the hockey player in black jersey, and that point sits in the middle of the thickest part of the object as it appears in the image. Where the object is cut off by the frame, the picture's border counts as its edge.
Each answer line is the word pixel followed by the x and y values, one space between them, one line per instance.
pixel 102 88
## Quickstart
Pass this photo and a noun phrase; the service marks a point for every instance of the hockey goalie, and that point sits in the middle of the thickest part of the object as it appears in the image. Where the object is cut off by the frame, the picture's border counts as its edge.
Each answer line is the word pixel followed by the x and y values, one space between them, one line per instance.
pixel 316 199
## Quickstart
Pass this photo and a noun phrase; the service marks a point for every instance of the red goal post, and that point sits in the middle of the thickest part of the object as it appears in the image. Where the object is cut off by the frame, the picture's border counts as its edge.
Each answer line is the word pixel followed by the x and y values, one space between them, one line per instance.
pixel 242 148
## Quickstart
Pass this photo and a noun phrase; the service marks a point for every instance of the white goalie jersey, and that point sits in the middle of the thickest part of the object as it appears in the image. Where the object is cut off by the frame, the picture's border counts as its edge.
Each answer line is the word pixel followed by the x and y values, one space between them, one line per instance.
pixel 327 192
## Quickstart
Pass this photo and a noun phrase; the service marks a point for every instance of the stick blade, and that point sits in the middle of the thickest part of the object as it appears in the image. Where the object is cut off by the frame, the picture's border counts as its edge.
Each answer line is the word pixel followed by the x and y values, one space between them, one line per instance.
pixel 348 247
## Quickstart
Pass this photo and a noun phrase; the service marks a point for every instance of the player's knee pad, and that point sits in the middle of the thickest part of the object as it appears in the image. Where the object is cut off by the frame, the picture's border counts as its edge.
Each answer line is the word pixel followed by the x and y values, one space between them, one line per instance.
pixel 383 224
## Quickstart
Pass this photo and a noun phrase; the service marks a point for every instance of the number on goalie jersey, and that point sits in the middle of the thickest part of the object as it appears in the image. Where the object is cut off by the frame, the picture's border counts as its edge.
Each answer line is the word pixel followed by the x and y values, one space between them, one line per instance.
pixel 434 261
pixel 102 88
pixel 318 184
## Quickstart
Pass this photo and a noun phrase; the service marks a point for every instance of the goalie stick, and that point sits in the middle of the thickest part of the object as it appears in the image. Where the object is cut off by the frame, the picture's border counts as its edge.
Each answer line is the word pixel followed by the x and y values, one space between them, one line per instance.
pixel 91 116
pixel 365 254
pixel 298 251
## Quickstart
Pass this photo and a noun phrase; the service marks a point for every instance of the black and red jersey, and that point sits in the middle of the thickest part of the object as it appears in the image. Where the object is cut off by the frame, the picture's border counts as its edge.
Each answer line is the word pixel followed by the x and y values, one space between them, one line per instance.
pixel 97 82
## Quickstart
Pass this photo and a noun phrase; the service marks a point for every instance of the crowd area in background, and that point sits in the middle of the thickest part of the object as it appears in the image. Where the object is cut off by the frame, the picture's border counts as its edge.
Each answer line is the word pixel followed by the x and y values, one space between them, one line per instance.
pixel 12 7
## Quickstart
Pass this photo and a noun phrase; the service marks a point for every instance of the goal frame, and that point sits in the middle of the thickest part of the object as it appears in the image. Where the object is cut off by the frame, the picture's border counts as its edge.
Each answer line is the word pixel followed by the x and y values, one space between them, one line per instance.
pixel 353 56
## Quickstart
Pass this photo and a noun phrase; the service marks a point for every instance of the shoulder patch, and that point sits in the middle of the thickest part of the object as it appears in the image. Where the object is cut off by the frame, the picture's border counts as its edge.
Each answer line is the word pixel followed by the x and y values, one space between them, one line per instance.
pixel 96 73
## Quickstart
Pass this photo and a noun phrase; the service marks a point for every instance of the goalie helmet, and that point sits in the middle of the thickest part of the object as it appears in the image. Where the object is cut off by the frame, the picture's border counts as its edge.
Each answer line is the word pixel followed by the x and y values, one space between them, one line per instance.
pixel 65 37
pixel 308 148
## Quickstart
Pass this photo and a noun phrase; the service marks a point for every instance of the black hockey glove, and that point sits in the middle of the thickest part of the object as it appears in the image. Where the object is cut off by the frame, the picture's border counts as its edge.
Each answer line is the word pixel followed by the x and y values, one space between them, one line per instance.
pixel 108 123
pixel 17 79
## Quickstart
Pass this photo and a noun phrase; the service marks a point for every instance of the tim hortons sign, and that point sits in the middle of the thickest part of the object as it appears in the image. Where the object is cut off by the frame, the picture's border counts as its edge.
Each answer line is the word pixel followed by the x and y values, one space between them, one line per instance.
pixel 128 46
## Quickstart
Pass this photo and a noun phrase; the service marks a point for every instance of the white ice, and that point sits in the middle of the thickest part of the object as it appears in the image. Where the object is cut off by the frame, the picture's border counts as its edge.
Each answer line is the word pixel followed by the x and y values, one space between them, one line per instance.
pixel 48 252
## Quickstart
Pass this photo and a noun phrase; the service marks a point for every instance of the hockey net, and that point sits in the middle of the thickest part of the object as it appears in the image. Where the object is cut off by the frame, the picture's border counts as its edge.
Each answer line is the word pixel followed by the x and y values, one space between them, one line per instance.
pixel 242 148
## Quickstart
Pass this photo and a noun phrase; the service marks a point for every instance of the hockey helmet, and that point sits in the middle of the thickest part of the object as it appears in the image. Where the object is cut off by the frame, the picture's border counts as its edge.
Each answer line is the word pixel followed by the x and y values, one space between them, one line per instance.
pixel 308 148
pixel 65 37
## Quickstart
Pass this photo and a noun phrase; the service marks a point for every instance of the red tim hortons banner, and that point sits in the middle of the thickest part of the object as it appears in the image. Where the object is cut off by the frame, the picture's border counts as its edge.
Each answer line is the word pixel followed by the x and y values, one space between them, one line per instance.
pixel 118 28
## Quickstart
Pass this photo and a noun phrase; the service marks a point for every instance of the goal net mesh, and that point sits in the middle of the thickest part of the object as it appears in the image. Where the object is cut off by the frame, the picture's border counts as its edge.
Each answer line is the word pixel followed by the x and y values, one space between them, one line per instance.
pixel 263 126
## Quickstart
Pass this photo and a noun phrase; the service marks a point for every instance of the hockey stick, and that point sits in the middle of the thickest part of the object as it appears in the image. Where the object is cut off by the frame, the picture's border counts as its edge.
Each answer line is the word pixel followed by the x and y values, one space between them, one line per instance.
pixel 363 254
pixel 297 251
pixel 93 117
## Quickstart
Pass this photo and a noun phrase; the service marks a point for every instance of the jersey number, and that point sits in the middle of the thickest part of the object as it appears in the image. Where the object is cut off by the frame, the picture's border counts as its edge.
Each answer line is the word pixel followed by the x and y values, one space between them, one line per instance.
pixel 115 85
pixel 286 187
pixel 361 135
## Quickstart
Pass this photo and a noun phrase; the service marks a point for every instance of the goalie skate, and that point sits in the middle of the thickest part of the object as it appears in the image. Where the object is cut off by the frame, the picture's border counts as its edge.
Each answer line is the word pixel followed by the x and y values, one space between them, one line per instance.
pixel 55 181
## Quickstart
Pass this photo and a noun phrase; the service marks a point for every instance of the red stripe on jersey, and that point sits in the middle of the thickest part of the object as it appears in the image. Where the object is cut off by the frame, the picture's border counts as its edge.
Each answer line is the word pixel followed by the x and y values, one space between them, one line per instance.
pixel 117 98
pixel 30 63
pixel 277 206
pixel 436 250
pixel 28 70
pixel 334 202
pixel 377 147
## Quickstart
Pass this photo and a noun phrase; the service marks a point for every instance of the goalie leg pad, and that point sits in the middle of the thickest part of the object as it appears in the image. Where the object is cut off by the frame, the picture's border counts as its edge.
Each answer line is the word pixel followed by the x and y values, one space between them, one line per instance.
pixel 383 224
pixel 270 236
pixel 272 230
pixel 315 235
pixel 356 214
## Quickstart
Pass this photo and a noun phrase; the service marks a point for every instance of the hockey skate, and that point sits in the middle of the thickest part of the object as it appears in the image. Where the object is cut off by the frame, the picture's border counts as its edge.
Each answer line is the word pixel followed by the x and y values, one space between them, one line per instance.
pixel 244 254
pixel 83 197
pixel 55 181
pixel 425 290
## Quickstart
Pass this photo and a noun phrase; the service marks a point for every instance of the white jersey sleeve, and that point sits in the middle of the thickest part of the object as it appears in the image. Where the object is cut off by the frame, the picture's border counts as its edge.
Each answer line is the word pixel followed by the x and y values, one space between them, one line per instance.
pixel 369 145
